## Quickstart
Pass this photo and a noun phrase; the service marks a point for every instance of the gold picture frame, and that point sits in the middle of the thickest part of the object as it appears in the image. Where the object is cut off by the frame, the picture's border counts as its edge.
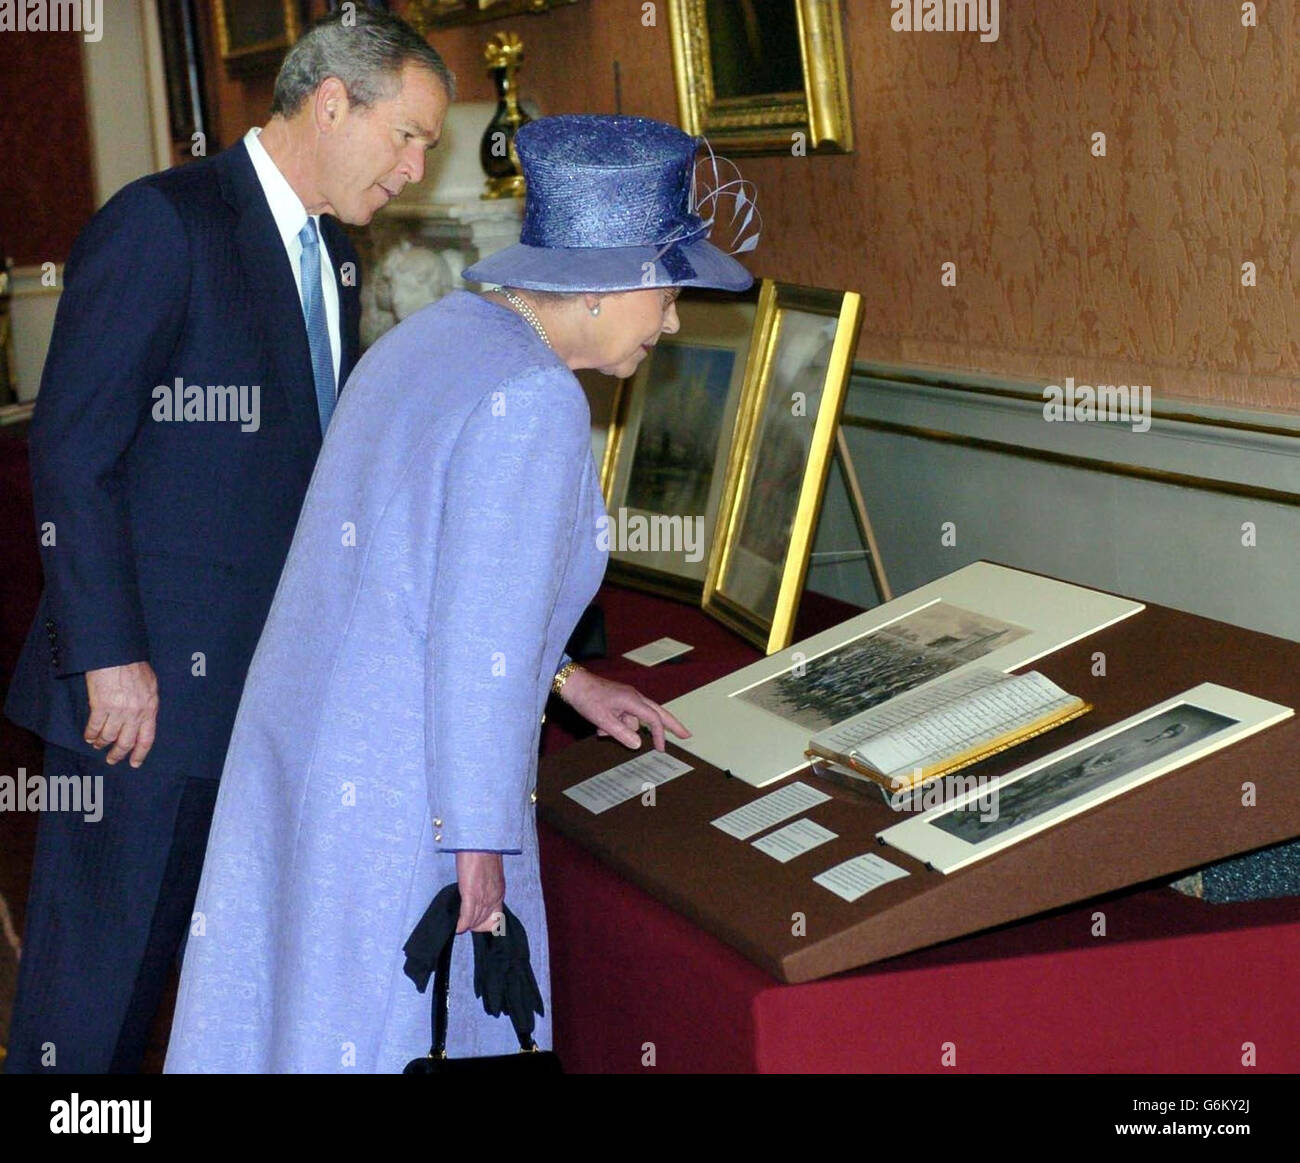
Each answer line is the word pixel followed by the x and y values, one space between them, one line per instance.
pixel 669 442
pixel 254 35
pixel 741 83
pixel 795 382
pixel 427 15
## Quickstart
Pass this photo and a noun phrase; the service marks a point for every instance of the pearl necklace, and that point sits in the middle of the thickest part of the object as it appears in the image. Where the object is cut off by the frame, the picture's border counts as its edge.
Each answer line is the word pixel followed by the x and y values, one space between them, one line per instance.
pixel 524 309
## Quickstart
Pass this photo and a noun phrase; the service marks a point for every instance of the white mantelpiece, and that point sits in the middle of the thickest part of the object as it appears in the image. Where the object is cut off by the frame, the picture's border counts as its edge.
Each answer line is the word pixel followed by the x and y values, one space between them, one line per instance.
pixel 415 248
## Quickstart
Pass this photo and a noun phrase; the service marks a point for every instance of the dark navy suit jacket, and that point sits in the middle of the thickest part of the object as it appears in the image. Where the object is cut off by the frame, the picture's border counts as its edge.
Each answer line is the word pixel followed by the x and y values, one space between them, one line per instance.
pixel 163 540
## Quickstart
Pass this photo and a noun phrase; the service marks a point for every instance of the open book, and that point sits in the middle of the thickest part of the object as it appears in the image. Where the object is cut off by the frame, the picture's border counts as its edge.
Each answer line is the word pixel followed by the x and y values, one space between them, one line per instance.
pixel 927 733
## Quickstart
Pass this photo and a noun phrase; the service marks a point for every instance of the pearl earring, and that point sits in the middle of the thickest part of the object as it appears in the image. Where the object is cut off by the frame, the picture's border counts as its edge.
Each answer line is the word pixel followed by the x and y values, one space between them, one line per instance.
pixel 595 310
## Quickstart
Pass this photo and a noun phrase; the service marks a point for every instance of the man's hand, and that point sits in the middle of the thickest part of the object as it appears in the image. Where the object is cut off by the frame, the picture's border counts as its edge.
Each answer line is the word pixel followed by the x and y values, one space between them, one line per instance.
pixel 482 884
pixel 123 711
pixel 618 710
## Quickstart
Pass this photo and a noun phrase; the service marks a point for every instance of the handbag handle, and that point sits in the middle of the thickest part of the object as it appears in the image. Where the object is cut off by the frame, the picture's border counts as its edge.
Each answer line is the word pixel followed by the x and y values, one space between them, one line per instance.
pixel 441 992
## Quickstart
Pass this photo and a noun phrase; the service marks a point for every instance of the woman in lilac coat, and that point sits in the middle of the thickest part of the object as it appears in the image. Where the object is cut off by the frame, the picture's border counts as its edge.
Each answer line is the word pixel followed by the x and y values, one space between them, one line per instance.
pixel 386 743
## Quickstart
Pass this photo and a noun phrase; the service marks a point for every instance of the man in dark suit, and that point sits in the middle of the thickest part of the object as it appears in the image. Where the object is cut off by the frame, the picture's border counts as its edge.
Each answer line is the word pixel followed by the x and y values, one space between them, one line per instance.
pixel 208 317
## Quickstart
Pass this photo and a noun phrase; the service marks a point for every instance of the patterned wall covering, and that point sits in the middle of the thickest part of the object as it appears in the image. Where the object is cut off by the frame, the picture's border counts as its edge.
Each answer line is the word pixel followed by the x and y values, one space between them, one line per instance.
pixel 1123 269
pixel 46 180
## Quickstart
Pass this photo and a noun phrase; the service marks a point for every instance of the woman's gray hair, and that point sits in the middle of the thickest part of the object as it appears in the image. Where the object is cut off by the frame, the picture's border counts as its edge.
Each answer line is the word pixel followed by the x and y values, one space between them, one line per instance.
pixel 554 298
pixel 365 48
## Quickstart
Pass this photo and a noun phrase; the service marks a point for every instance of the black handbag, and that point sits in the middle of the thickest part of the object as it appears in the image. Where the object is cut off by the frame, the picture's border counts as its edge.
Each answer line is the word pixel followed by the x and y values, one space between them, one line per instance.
pixel 503 978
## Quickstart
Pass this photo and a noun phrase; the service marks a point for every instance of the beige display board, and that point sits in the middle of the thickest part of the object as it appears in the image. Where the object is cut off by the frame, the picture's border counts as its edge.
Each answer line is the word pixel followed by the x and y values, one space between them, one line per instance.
pixel 981 820
pixel 756 723
pixel 779 916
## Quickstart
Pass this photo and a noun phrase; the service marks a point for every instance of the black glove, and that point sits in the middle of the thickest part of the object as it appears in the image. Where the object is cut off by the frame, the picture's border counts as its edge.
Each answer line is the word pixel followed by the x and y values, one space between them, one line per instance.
pixel 503 974
pixel 436 928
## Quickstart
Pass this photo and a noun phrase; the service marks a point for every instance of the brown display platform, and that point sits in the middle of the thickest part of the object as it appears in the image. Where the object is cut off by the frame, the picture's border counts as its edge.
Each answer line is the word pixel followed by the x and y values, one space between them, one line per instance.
pixel 1190 817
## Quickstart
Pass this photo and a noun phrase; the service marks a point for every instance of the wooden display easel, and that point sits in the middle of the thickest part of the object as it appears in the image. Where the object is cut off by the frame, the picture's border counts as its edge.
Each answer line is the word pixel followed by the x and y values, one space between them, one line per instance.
pixel 859 504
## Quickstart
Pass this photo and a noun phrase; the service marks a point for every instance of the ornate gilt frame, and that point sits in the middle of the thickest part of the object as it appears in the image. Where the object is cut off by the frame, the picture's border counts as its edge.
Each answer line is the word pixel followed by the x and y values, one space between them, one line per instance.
pixel 775 300
pixel 427 15
pixel 260 57
pixel 767 123
pixel 699 330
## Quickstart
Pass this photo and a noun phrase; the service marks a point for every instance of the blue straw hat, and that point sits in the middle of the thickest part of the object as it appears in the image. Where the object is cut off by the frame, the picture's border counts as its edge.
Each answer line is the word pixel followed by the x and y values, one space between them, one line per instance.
pixel 611 205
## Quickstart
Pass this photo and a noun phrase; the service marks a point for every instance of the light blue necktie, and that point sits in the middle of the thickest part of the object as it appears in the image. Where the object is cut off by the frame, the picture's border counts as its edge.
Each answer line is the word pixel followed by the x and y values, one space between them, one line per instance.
pixel 318 332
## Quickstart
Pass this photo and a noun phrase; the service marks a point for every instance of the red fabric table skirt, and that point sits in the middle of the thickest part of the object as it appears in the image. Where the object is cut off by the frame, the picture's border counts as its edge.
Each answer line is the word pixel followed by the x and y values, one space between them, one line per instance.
pixel 1174 985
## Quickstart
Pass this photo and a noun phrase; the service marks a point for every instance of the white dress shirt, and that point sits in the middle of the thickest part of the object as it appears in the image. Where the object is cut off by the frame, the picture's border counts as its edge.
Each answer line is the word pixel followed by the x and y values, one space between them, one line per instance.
pixel 290 217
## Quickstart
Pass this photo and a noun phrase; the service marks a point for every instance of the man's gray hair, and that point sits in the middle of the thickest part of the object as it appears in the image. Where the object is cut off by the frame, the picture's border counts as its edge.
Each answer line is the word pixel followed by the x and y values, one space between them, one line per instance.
pixel 365 48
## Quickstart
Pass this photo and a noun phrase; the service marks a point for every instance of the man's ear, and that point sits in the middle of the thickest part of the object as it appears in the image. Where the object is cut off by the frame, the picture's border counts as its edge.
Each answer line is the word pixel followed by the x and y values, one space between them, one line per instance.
pixel 329 104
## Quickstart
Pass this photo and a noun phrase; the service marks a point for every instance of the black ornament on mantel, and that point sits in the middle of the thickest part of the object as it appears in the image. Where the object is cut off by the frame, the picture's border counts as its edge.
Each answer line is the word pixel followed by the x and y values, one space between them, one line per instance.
pixel 503 54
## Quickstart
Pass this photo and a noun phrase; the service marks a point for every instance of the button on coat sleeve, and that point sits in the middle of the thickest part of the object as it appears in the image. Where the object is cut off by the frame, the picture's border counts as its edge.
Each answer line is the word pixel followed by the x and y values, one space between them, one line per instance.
pixel 509 519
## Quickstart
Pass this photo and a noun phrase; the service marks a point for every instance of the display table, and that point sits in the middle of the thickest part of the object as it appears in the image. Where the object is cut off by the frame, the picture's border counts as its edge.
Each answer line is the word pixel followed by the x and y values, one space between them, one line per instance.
pixel 1162 990
pixel 1175 985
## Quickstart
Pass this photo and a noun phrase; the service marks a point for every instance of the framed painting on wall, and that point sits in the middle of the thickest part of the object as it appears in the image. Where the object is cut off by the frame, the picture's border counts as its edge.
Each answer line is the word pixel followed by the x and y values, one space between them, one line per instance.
pixel 254 35
pixel 795 380
pixel 426 15
pixel 762 76
pixel 668 446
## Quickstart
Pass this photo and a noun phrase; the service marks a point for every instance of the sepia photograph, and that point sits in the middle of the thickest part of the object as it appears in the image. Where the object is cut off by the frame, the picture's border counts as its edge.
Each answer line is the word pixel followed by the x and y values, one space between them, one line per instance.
pixel 874 668
pixel 1051 792
pixel 1111 759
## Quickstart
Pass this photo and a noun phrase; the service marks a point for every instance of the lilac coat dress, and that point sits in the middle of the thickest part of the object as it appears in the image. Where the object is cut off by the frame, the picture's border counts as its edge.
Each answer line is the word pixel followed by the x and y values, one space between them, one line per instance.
pixel 446 550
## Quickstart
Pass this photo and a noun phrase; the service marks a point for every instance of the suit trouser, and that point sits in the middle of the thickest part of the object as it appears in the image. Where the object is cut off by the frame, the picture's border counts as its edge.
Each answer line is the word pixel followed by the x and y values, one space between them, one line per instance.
pixel 109 905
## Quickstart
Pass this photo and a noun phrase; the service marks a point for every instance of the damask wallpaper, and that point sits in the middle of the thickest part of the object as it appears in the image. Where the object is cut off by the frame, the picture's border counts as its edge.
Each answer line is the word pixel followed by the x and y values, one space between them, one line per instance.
pixel 1122 268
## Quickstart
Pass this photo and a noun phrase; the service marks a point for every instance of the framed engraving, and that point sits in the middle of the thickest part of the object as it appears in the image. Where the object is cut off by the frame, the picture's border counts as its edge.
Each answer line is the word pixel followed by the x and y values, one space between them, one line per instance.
pixel 668 446
pixel 756 722
pixel 984 820
pixel 798 371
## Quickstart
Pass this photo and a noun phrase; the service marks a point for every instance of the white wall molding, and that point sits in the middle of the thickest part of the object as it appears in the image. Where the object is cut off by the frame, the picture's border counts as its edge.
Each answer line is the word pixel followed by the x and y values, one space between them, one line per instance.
pixel 1164 516
pixel 1231 446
